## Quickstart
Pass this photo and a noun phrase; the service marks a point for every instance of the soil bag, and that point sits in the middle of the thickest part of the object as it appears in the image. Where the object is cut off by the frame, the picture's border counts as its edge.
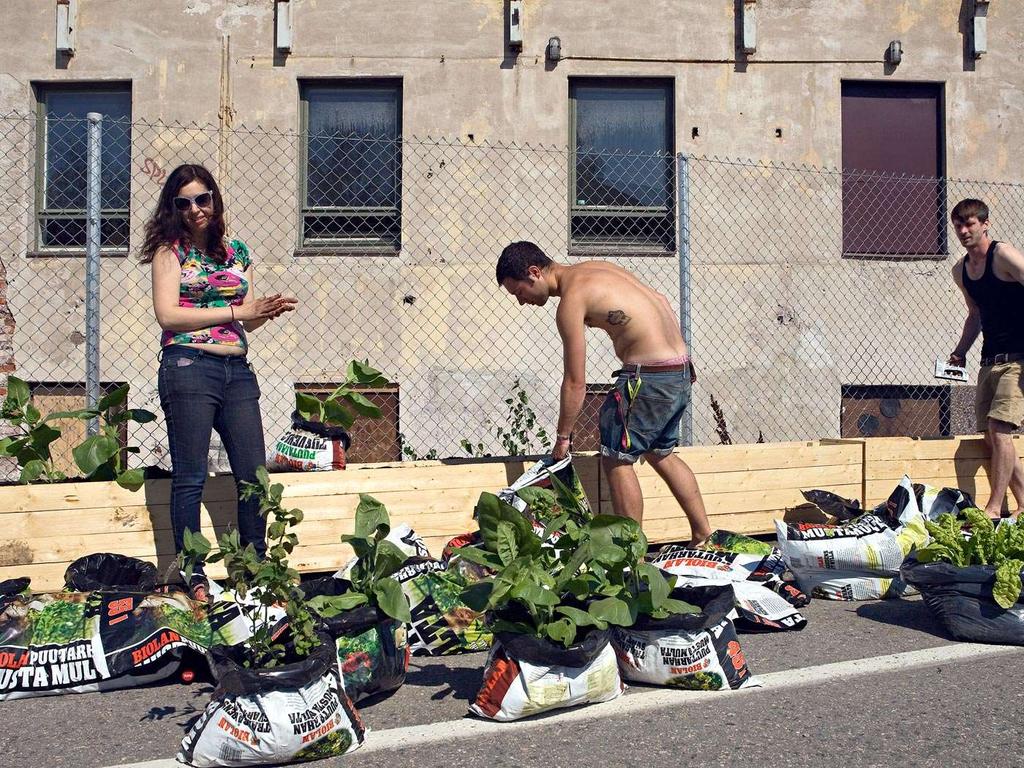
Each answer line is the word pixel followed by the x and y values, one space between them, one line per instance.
pixel 442 624
pixel 308 446
pixel 76 642
pixel 695 651
pixel 105 570
pixel 295 712
pixel 541 512
pixel 961 599
pixel 765 599
pixel 859 560
pixel 525 676
pixel 373 650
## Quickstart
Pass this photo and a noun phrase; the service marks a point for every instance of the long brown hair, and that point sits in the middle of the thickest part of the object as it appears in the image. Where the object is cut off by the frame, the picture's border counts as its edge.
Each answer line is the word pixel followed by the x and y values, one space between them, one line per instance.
pixel 167 224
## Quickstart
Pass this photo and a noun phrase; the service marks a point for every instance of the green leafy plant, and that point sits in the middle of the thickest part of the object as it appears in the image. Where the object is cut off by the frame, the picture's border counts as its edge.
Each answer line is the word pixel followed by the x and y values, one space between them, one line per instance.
pixel 268 582
pixel 409 452
pixel 99 456
pixel 572 576
pixel 342 406
pixel 518 437
pixel 1001 547
pixel 372 576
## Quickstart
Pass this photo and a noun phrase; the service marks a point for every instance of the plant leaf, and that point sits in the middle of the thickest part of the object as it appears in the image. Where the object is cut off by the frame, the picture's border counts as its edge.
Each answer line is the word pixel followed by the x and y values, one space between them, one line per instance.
pixel 18 392
pixel 331 605
pixel 113 399
pixel 507 548
pixel 32 470
pixel 477 596
pixel 613 610
pixel 132 479
pixel 94 452
pixel 371 517
pixel 309 407
pixel 561 631
pixel 391 599
pixel 1007 587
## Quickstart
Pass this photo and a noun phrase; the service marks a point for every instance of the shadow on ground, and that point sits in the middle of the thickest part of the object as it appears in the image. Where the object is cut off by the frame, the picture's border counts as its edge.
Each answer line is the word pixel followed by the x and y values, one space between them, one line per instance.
pixel 903 613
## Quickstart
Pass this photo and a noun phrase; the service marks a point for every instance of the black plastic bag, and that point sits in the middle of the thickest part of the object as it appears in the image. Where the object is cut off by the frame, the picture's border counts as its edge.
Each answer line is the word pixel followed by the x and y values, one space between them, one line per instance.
pixel 833 504
pixel 961 599
pixel 373 649
pixel 108 571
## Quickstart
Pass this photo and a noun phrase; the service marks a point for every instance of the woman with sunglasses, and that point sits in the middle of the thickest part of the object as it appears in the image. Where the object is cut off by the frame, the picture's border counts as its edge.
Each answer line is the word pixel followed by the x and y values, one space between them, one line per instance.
pixel 203 299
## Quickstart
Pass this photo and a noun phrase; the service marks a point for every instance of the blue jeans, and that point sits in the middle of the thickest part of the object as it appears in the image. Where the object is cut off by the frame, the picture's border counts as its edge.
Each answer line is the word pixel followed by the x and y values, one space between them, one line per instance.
pixel 200 392
pixel 642 414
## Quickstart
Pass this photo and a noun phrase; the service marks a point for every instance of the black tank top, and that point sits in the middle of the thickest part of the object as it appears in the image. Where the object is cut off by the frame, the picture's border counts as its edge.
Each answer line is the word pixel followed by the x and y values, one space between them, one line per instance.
pixel 1001 303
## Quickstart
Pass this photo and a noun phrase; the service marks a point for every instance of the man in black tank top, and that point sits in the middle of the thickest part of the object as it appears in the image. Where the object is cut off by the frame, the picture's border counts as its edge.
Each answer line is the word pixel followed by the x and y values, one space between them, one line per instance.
pixel 991 277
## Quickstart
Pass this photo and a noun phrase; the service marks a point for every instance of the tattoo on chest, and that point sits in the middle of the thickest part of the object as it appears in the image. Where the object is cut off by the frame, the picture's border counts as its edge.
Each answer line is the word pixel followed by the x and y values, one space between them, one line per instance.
pixel 617 317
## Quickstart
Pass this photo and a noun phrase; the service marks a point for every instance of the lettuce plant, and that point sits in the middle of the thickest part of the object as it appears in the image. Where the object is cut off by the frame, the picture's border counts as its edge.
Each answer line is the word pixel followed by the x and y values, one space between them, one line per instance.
pixel 551 587
pixel 999 546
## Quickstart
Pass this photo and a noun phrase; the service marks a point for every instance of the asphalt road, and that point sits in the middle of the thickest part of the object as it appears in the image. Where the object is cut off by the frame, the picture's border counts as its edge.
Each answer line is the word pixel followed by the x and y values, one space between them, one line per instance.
pixel 920 698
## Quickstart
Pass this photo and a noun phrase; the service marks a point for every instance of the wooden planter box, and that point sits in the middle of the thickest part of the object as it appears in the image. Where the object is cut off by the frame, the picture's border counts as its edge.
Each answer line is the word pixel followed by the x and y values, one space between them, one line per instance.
pixel 745 487
pixel 955 462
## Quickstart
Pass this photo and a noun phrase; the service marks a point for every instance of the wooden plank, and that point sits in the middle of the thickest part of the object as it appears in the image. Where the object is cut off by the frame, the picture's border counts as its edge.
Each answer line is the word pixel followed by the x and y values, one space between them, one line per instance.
pixel 804 478
pixel 907 449
pixel 737 503
pixel 485 474
pixel 747 458
pixel 895 469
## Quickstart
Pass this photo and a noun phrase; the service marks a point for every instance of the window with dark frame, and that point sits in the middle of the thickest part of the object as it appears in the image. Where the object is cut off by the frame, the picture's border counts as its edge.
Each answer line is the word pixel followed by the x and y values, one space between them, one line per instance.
pixel 372 439
pixel 894 193
pixel 352 164
pixel 586 435
pixel 622 187
pixel 63 164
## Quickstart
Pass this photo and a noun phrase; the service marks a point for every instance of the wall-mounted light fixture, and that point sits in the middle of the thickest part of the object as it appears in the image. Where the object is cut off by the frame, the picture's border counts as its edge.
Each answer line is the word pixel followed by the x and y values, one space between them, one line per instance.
pixel 67 26
pixel 283 25
pixel 894 54
pixel 979 29
pixel 553 52
pixel 515 25
pixel 748 26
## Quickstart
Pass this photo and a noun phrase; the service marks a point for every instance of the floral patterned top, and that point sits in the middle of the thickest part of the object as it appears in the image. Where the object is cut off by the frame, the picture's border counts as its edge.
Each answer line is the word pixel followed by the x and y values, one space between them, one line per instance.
pixel 209 283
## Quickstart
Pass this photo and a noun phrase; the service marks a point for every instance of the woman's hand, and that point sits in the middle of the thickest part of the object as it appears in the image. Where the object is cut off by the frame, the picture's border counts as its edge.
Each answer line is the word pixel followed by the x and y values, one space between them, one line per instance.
pixel 265 308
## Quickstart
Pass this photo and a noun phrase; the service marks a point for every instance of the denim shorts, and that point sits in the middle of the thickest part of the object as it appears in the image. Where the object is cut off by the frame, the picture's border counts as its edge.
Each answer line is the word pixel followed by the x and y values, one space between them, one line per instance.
pixel 642 414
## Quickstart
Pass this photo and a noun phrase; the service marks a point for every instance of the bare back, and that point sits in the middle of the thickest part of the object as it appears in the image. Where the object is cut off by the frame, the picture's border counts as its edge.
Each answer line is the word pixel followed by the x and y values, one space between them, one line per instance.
pixel 640 321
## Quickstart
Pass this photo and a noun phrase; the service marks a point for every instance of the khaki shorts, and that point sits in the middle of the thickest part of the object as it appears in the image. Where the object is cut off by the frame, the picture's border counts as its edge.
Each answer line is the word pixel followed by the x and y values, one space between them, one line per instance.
pixel 1000 395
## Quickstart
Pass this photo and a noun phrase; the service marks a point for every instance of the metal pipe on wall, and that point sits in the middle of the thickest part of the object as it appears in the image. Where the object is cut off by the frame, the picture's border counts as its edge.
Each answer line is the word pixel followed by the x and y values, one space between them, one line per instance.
pixel 93 240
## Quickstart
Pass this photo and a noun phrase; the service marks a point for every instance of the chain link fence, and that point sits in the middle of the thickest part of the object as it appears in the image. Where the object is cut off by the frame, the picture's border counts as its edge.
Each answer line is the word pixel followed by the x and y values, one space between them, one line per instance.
pixel 815 302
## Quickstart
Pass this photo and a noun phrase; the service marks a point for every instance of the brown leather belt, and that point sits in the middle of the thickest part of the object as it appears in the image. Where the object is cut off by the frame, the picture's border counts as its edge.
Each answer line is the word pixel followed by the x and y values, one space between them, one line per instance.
pixel 1003 357
pixel 635 368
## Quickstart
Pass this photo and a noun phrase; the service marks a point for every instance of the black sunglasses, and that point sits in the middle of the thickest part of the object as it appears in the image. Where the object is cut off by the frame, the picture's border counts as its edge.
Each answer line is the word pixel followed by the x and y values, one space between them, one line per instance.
pixel 203 200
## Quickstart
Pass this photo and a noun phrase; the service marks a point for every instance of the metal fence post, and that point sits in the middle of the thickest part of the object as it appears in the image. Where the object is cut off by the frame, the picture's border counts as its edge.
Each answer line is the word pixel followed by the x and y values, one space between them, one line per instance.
pixel 92 264
pixel 683 183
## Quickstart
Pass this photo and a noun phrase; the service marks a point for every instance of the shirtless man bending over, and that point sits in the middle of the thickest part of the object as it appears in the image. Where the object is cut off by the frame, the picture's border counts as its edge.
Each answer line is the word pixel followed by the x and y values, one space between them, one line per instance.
pixel 641 415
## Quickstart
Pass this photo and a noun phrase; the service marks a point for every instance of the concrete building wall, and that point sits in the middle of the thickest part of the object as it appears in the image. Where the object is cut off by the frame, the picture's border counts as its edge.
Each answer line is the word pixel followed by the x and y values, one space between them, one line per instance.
pixel 213 63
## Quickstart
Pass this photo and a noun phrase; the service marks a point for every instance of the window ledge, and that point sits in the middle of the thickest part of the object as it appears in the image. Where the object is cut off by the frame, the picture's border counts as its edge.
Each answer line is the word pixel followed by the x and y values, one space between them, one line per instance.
pixel 346 250
pixel 896 256
pixel 75 253
pixel 620 251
